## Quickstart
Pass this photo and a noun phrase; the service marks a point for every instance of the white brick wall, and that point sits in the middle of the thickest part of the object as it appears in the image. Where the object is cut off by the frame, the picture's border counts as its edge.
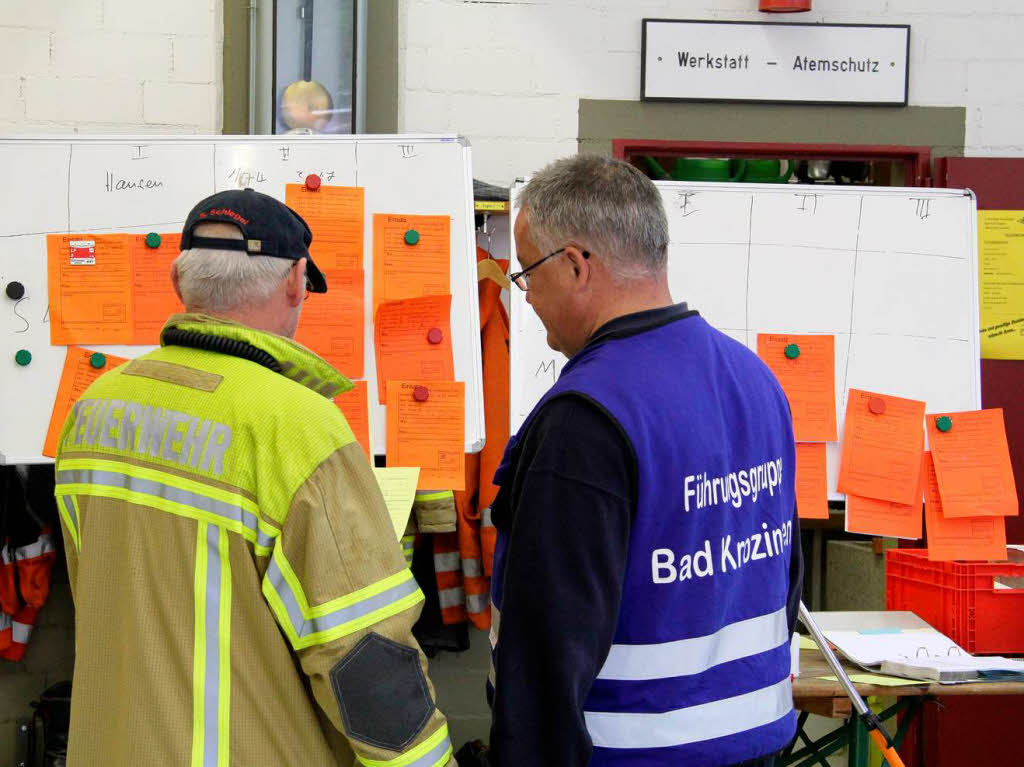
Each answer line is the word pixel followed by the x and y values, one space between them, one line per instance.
pixel 110 66
pixel 510 74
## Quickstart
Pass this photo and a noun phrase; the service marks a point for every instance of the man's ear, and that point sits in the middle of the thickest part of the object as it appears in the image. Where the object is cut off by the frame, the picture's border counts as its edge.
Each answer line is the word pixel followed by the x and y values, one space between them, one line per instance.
pixel 175 282
pixel 580 264
pixel 296 283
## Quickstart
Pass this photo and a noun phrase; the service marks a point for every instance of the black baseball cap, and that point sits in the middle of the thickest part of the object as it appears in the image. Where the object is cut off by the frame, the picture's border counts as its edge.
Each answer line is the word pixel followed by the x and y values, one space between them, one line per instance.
pixel 268 226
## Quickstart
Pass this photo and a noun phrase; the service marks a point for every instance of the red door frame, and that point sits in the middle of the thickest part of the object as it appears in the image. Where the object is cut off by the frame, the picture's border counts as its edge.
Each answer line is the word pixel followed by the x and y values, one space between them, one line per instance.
pixel 916 159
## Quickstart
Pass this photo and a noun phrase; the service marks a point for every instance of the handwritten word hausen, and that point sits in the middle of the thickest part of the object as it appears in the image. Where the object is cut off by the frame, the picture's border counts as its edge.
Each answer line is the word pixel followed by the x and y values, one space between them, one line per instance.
pixel 115 184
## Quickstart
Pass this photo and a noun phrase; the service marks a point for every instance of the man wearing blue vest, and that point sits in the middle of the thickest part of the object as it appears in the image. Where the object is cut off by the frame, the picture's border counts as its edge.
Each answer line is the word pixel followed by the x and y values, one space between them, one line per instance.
pixel 647 571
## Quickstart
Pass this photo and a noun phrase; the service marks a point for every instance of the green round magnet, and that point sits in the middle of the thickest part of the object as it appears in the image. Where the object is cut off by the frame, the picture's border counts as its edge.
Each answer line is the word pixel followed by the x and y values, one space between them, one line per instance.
pixel 152 240
pixel 23 357
pixel 792 351
pixel 411 237
pixel 98 359
pixel 943 423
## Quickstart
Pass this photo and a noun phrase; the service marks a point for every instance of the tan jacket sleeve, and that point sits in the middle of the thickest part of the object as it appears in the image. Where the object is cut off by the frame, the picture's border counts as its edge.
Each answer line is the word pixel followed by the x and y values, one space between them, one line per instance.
pixel 340 589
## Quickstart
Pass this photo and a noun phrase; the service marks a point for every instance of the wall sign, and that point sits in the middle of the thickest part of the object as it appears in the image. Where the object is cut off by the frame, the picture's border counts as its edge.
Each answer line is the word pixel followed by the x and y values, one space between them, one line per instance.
pixel 775 62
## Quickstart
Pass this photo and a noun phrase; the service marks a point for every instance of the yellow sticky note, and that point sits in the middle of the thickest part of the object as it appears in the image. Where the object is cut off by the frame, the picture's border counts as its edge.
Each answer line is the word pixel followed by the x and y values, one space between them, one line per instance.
pixel 878 679
pixel 807 643
pixel 1001 283
pixel 398 485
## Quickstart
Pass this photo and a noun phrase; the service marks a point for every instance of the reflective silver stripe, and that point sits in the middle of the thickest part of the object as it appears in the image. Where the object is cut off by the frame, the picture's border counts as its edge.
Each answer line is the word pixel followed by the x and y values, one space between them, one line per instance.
pixel 304 627
pixel 697 654
pixel 211 684
pixel 69 507
pixel 477 603
pixel 446 562
pixel 693 724
pixel 20 632
pixel 222 509
pixel 472 568
pixel 264 540
pixel 485 518
pixel 42 545
pixel 5 621
pixel 433 756
pixel 7 554
pixel 451 597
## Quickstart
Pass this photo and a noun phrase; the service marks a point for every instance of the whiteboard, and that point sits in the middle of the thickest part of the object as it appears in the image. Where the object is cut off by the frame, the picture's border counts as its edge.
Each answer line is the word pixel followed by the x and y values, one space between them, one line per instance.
pixel 890 272
pixel 60 184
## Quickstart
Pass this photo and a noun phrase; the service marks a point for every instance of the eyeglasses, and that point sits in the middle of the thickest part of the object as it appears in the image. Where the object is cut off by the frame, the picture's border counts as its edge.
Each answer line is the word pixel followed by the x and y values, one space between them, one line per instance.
pixel 522 279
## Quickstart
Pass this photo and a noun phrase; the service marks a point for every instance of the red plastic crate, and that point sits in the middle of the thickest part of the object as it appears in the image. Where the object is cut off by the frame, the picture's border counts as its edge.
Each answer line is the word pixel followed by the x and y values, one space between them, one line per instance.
pixel 959 599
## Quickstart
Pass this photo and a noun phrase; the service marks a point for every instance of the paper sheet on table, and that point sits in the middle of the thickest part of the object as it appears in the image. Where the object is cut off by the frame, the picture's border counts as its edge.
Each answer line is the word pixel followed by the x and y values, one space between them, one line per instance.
pixel 401 342
pixel 355 406
pixel 972 463
pixel 335 216
pixel 401 270
pixel 881 453
pixel 949 539
pixel 332 323
pixel 90 288
pixel 870 516
pixel 428 434
pixel 1001 283
pixel 153 296
pixel 870 648
pixel 77 375
pixel 878 679
pixel 809 381
pixel 811 481
pixel 807 643
pixel 398 486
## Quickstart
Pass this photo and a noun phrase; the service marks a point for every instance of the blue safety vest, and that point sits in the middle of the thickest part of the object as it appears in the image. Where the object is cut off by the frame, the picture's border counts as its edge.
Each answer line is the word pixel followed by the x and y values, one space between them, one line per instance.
pixel 699 669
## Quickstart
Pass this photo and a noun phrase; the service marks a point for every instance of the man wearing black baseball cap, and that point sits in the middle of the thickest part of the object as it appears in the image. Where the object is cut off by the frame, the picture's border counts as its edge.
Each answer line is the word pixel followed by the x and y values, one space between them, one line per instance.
pixel 226 539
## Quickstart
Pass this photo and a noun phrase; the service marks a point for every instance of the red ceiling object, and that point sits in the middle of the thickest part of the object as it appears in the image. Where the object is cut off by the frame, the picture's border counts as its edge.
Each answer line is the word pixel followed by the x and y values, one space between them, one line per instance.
pixel 784 6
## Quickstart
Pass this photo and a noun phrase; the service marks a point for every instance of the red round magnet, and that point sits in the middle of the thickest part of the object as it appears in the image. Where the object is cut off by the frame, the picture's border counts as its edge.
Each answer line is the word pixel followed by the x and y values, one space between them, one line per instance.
pixel 421 394
pixel 435 336
pixel 312 182
pixel 876 405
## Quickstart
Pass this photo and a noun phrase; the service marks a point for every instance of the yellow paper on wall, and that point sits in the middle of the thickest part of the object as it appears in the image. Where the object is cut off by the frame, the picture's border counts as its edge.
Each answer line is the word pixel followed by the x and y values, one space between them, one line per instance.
pixel 1001 283
pixel 398 485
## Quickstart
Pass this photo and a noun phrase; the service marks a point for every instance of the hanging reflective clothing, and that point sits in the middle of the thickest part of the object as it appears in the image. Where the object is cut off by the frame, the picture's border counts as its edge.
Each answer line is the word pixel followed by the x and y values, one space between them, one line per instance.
pixel 698 669
pixel 476 534
pixel 240 597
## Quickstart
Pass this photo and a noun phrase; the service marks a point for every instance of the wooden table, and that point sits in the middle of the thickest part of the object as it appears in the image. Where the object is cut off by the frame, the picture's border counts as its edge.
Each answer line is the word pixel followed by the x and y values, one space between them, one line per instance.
pixel 812 695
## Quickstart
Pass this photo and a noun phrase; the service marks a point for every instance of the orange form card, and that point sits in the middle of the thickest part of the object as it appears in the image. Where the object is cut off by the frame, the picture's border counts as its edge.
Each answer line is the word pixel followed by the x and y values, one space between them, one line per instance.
pixel 335 216
pixel 869 516
pixel 412 339
pixel 90 285
pixel 811 481
pixel 332 323
pixel 411 257
pixel 355 406
pixel 79 372
pixel 153 297
pixel 964 538
pixel 806 368
pixel 972 461
pixel 882 445
pixel 426 428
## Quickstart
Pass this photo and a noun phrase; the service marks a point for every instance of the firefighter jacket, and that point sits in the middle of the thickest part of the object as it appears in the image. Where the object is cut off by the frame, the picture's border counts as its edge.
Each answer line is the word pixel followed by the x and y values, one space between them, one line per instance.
pixel 240 595
pixel 463 559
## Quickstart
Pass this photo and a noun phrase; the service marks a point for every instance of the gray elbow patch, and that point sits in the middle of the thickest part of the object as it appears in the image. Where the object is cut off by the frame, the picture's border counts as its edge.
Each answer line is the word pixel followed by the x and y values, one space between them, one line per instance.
pixel 382 693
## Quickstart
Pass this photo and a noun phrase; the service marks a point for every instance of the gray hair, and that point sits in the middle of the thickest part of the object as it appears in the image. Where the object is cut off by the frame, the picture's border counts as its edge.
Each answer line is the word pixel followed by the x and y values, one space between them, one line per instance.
pixel 603 204
pixel 218 280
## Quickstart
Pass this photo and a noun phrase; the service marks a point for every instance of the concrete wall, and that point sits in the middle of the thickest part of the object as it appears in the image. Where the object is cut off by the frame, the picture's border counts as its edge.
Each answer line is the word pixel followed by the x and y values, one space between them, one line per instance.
pixel 511 74
pixel 110 66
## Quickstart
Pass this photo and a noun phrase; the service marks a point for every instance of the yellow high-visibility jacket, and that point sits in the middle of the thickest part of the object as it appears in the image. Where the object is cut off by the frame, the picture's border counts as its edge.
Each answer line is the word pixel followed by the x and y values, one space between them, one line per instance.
pixel 240 596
